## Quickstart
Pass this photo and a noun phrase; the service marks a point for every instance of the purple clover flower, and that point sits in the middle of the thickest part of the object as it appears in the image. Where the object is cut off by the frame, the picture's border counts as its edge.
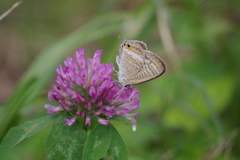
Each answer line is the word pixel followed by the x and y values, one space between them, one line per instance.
pixel 85 88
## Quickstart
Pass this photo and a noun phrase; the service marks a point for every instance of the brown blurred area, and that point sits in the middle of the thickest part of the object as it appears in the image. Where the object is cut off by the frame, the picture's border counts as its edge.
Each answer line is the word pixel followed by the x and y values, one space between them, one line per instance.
pixel 13 61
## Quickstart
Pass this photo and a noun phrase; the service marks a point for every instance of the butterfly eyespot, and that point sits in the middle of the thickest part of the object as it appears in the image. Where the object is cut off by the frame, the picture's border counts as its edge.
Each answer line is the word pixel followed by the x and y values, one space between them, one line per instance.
pixel 128 46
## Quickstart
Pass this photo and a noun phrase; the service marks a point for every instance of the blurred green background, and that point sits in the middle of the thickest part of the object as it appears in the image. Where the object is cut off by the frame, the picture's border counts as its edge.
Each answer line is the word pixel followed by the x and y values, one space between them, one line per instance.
pixel 191 112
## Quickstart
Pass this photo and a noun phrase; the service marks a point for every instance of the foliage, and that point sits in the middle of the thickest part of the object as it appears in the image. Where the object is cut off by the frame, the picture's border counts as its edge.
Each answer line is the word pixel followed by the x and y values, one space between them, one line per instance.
pixel 191 112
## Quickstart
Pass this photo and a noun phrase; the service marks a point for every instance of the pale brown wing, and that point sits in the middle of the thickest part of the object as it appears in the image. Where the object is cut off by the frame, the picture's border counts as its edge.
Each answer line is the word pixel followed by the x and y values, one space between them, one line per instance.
pixel 131 61
pixel 153 67
pixel 140 43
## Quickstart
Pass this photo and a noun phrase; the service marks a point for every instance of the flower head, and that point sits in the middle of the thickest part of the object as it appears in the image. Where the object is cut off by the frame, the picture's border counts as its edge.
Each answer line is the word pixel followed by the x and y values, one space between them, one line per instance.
pixel 85 88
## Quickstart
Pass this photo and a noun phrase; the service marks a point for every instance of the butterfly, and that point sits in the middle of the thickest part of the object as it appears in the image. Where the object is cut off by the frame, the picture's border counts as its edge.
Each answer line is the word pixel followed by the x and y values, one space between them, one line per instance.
pixel 137 64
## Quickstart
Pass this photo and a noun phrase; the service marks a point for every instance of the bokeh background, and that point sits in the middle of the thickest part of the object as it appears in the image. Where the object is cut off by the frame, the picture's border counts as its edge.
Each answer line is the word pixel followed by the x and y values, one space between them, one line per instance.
pixel 191 112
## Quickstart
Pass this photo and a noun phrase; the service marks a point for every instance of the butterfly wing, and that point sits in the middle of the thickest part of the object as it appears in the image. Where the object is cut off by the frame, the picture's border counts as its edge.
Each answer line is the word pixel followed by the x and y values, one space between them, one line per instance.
pixel 141 43
pixel 130 61
pixel 152 68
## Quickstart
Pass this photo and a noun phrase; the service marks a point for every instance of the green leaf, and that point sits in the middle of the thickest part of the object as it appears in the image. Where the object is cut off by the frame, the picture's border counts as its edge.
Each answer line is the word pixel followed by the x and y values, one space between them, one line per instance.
pixel 97 143
pixel 65 142
pixel 117 149
pixel 18 134
pixel 121 119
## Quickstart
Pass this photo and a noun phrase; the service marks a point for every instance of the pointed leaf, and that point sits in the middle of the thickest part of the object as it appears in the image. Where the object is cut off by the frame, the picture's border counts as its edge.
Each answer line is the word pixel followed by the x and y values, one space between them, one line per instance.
pixel 17 134
pixel 117 149
pixel 122 119
pixel 65 142
pixel 97 143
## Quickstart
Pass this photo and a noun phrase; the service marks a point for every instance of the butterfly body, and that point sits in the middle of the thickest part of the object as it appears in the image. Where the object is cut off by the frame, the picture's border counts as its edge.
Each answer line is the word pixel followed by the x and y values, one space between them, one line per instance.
pixel 137 64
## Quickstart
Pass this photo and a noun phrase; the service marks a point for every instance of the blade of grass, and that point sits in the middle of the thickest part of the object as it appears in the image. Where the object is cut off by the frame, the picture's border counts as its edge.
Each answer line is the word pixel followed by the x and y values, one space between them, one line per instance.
pixel 10 10
pixel 198 83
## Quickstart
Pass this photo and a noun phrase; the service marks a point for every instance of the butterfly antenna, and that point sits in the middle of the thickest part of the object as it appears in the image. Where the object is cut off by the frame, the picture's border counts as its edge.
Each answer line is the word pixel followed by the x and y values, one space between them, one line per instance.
pixel 121 38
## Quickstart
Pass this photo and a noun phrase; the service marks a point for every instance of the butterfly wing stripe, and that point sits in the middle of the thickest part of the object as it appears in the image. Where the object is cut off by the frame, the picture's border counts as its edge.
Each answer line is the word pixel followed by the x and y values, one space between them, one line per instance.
pixel 154 68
